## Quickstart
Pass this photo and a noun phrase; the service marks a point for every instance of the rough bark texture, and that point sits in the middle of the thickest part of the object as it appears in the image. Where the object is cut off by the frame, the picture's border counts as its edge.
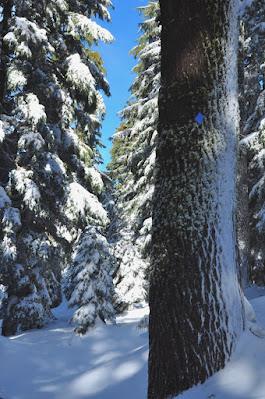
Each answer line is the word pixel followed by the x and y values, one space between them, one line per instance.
pixel 242 207
pixel 243 218
pixel 6 14
pixel 195 301
pixel 8 146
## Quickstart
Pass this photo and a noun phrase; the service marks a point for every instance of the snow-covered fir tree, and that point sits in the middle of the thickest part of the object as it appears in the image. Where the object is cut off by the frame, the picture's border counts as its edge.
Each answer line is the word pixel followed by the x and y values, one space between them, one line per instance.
pixel 253 134
pixel 132 165
pixel 51 112
pixel 89 280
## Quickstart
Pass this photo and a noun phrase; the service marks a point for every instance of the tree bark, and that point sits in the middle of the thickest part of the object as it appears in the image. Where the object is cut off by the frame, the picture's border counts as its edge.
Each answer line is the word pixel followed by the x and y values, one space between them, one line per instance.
pixel 6 15
pixel 243 216
pixel 243 219
pixel 196 311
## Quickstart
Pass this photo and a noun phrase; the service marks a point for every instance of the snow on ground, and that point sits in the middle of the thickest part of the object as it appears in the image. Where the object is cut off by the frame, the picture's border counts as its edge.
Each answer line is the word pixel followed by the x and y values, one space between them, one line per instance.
pixel 53 363
pixel 244 376
pixel 111 362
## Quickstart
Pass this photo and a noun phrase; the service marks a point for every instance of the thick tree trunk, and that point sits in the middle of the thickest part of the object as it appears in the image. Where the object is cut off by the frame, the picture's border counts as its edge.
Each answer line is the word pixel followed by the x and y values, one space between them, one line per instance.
pixel 195 299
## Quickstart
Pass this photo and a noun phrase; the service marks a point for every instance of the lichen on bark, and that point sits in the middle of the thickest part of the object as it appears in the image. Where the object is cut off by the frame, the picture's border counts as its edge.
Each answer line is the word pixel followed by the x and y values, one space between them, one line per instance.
pixel 195 299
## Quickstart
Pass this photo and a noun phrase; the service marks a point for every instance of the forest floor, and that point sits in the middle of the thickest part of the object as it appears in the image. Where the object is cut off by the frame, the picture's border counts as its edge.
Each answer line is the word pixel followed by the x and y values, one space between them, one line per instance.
pixel 111 362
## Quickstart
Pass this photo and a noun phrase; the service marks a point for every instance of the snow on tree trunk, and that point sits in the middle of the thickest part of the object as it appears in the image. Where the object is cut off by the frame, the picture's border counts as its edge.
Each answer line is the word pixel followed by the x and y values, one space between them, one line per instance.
pixel 243 218
pixel 242 204
pixel 196 311
pixel 6 16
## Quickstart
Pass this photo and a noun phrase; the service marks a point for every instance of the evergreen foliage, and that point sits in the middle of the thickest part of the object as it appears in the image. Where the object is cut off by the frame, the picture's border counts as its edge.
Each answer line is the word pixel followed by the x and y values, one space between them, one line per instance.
pixel 253 142
pixel 132 165
pixel 51 112
pixel 89 285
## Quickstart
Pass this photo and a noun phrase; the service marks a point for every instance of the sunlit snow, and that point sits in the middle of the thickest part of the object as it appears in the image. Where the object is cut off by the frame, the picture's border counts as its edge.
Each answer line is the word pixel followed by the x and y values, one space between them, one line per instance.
pixel 111 362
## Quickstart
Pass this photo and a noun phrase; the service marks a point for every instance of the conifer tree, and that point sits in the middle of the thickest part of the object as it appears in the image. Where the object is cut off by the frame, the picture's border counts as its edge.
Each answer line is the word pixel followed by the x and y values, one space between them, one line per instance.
pixel 196 313
pixel 132 165
pixel 89 280
pixel 51 112
pixel 252 145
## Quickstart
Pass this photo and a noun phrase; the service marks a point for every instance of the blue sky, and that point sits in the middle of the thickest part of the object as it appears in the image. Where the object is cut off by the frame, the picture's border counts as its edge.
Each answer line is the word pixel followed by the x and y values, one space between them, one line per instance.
pixel 118 62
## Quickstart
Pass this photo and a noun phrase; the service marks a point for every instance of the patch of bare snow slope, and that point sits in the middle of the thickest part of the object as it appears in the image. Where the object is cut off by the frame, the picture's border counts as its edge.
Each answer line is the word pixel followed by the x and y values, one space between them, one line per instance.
pixel 111 362
pixel 53 363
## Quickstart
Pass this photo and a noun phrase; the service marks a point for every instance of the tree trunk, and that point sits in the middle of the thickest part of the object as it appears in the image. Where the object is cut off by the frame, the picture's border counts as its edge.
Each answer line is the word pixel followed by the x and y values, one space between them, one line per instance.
pixel 243 218
pixel 196 312
pixel 6 15
pixel 242 207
